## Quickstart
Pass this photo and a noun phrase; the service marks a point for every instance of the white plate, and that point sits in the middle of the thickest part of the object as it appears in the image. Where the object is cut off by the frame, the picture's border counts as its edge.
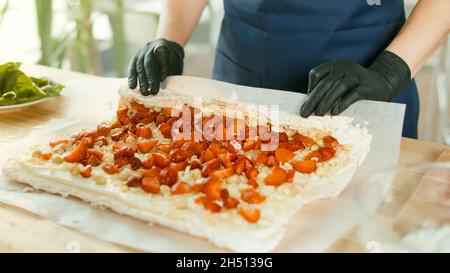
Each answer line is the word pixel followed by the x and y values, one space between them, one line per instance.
pixel 14 107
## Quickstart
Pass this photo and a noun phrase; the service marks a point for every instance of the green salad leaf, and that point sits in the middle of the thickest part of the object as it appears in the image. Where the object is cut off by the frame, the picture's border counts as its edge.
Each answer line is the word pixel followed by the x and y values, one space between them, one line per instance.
pixel 16 87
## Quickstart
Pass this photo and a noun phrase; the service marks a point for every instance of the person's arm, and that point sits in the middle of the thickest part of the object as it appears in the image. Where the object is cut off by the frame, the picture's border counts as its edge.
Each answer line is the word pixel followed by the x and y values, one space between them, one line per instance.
pixel 164 56
pixel 336 85
pixel 179 19
pixel 426 28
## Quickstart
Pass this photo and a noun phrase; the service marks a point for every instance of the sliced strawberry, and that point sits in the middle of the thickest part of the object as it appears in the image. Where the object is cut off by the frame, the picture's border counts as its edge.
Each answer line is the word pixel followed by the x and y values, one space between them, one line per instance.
pixel 180 155
pixel 210 166
pixel 202 200
pixel 259 158
pixel 216 147
pixel 224 194
pixel 249 145
pixel 89 141
pixel 110 169
pixel 177 143
pixel 303 139
pixel 148 163
pixel 292 145
pixel 290 175
pixel 195 164
pixel 53 143
pixel 154 172
pixel 271 161
pixel 121 161
pixel 213 207
pixel 164 148
pixel 306 166
pixel 282 137
pixel 193 148
pixel 180 188
pixel 283 155
pixel 207 155
pixel 314 155
pixel 150 185
pixel 138 106
pixel 95 153
pixel 134 181
pixel 227 159
pixel 250 214
pixel 212 189
pixel 122 114
pixel 118 146
pixel 221 174
pixel 166 130
pixel 252 196
pixel 166 111
pixel 276 177
pixel 160 119
pixel 253 183
pixel 78 154
pixel 103 129
pixel 230 203
pixel 87 172
pixel 144 132
pixel 330 142
pixel 45 156
pixel 125 150
pixel 240 165
pixel 147 146
pixel 92 160
pixel 160 160
pixel 168 176
pixel 251 173
pixel 197 187
pixel 327 153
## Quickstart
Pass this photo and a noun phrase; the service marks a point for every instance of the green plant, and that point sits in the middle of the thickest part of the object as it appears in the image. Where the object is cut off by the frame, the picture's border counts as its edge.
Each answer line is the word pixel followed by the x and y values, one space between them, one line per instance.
pixel 83 49
pixel 53 49
pixel 118 46
pixel 77 43
pixel 3 9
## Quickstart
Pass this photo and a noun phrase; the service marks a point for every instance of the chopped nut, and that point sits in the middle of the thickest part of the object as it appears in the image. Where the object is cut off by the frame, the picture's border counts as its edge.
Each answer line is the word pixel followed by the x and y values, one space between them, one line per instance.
pixel 57 159
pixel 36 153
pixel 346 147
pixel 100 180
pixel 314 147
pixel 321 171
pixel 196 174
pixel 233 179
pixel 125 173
pixel 165 190
pixel 130 140
pixel 116 131
pixel 75 169
pixel 123 188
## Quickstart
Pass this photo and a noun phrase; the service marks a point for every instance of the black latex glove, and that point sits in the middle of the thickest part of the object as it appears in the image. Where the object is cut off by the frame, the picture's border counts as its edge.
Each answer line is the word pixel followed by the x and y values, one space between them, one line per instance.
pixel 336 85
pixel 152 64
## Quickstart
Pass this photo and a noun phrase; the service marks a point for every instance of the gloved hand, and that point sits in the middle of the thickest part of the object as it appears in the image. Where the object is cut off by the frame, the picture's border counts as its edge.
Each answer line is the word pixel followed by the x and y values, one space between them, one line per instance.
pixel 152 63
pixel 336 85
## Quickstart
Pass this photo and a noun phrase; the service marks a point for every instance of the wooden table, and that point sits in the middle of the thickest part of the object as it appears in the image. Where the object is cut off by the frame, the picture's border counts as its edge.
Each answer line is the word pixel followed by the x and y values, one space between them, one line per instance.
pixel 21 231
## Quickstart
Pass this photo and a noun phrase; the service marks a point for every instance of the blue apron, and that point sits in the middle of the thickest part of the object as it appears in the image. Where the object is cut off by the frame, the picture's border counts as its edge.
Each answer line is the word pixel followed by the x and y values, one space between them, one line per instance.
pixel 275 43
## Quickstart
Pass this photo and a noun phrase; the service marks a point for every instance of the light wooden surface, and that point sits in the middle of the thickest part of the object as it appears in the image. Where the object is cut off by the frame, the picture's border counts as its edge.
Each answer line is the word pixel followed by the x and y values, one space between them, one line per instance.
pixel 21 231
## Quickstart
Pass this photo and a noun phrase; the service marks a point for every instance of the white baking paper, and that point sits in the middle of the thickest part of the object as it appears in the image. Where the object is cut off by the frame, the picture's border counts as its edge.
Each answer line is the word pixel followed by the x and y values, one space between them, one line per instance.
pixel 86 102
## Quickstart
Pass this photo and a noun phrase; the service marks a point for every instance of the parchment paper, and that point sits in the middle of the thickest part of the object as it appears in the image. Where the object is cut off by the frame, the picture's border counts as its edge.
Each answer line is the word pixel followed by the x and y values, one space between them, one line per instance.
pixel 85 102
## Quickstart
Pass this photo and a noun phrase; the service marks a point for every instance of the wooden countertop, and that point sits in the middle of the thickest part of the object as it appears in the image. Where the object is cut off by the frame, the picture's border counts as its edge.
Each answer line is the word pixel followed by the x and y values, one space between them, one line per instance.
pixel 21 231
